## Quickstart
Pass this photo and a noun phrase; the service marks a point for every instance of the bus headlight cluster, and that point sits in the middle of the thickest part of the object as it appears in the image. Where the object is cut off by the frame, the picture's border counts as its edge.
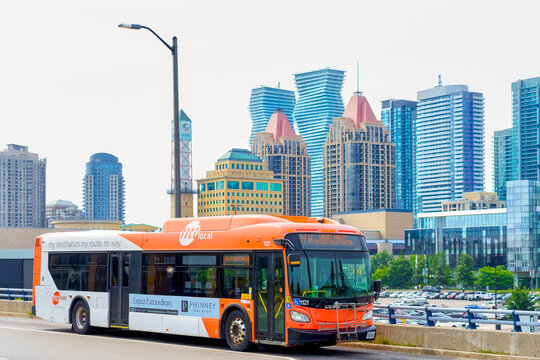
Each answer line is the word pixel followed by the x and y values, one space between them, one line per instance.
pixel 368 315
pixel 299 317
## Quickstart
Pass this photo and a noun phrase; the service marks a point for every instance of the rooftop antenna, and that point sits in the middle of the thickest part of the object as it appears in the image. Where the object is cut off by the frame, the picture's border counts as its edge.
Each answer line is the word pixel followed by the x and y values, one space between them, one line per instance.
pixel 278 84
pixel 358 92
pixel 440 80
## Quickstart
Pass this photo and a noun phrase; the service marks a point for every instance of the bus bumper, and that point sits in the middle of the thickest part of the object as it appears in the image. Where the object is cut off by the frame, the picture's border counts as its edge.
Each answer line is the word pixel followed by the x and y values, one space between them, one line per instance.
pixel 315 337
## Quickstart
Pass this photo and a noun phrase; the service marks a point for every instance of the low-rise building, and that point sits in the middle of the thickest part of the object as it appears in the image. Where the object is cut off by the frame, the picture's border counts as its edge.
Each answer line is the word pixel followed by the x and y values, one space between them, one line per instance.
pixel 384 229
pixel 476 200
pixel 239 184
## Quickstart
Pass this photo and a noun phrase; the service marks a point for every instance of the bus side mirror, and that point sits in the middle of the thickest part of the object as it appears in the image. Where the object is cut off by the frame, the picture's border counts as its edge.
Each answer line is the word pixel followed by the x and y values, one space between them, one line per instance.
pixel 377 287
pixel 293 260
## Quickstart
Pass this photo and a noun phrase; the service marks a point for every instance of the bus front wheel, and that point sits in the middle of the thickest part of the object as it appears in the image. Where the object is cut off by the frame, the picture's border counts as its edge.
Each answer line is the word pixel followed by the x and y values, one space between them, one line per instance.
pixel 237 331
pixel 80 318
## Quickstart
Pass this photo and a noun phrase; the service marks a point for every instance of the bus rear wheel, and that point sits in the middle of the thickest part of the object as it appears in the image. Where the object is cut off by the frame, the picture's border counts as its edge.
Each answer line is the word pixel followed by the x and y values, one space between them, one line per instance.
pixel 237 331
pixel 80 318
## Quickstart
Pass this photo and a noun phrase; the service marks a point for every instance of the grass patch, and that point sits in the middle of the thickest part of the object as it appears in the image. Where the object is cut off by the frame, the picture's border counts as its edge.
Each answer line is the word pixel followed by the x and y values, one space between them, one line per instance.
pixel 381 340
pixel 492 352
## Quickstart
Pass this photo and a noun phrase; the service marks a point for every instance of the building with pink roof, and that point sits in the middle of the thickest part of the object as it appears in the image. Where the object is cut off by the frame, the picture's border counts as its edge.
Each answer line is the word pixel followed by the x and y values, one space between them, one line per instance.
pixel 285 153
pixel 358 167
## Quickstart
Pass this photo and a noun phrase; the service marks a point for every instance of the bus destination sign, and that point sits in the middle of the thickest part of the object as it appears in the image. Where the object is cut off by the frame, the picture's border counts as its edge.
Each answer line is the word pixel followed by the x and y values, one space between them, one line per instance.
pixel 331 241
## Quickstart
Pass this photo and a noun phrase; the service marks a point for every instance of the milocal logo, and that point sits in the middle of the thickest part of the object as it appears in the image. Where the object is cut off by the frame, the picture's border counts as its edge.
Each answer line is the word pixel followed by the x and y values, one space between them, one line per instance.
pixel 56 298
pixel 193 231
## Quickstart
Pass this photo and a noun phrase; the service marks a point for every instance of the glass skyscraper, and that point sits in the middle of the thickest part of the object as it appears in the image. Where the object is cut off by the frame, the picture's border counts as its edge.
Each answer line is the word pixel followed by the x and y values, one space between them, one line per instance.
pixel 449 133
pixel 523 223
pixel 103 187
pixel 262 104
pixel 399 116
pixel 502 161
pixel 525 122
pixel 319 102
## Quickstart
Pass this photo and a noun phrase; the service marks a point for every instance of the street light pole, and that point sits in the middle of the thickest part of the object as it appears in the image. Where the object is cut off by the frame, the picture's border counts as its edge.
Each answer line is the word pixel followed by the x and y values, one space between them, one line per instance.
pixel 176 109
pixel 176 113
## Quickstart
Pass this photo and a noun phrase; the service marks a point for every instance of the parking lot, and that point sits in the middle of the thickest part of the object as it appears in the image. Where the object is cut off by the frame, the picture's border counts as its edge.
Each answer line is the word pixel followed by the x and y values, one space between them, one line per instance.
pixel 417 298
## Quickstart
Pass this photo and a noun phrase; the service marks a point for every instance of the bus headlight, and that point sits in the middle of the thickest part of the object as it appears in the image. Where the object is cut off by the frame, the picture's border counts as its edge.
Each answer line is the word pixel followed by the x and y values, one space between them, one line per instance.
pixel 299 317
pixel 368 315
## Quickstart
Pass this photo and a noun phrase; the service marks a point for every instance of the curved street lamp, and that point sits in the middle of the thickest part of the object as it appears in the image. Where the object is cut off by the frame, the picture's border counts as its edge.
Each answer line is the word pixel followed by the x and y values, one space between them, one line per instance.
pixel 176 109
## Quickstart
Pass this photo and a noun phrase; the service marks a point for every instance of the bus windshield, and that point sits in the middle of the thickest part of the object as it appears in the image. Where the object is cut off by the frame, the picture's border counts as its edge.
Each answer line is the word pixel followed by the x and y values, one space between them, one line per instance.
pixel 331 274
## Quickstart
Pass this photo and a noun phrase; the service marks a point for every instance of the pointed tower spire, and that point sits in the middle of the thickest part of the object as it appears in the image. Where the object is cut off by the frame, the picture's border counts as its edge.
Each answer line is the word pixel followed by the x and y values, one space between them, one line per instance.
pixel 440 80
pixel 279 125
pixel 359 110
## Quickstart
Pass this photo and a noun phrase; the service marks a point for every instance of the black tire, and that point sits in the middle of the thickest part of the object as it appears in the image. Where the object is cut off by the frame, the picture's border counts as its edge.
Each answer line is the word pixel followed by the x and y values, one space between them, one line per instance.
pixel 238 331
pixel 80 318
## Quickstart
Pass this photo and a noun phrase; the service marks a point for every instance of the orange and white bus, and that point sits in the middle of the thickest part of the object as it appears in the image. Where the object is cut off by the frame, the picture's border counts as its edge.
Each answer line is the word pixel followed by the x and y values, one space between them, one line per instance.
pixel 245 279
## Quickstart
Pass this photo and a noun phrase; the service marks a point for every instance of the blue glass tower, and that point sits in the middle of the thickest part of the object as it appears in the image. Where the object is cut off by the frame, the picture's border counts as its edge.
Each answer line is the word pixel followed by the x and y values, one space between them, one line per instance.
pixel 262 104
pixel 525 122
pixel 319 102
pixel 103 187
pixel 398 116
pixel 502 161
pixel 449 133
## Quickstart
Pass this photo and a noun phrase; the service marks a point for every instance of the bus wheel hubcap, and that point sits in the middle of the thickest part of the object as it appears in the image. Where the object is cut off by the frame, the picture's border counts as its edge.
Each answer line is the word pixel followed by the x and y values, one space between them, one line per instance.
pixel 81 317
pixel 237 331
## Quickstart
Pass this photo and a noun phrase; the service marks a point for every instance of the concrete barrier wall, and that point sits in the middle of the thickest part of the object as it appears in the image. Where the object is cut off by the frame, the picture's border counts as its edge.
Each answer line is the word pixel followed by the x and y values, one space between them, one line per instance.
pixel 521 344
pixel 16 306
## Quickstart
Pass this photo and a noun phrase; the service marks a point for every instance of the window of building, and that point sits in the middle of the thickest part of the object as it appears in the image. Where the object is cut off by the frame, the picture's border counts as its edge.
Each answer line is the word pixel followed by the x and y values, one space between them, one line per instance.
pixel 275 187
pixel 247 185
pixel 202 187
pixel 261 186
pixel 220 185
pixel 242 166
pixel 211 186
pixel 233 184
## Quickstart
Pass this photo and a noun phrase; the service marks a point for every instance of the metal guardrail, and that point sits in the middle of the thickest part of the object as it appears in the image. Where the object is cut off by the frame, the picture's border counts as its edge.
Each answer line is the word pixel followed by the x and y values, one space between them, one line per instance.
pixel 12 294
pixel 468 318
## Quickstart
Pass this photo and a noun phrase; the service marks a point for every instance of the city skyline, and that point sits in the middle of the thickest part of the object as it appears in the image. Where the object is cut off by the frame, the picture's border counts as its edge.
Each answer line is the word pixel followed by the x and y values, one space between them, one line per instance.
pixel 133 121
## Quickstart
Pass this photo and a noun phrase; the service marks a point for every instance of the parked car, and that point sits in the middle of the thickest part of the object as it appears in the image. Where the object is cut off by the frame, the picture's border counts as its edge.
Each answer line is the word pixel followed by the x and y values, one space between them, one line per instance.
pixel 431 289
pixel 475 315
pixel 452 295
pixel 420 302
pixel 477 295
pixel 384 294
pixel 460 296
pixel 395 294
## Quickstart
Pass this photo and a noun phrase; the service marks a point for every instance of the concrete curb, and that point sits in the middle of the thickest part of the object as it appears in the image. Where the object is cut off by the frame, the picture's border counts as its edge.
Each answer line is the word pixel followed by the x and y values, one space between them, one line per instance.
pixel 15 314
pixel 434 352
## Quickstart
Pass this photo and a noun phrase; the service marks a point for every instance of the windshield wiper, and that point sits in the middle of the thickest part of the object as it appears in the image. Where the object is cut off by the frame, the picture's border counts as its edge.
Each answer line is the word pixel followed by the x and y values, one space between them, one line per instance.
pixel 345 279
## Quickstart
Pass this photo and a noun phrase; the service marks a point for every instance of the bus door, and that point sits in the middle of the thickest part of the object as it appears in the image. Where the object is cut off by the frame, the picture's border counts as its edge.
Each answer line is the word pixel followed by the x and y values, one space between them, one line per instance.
pixel 119 279
pixel 269 297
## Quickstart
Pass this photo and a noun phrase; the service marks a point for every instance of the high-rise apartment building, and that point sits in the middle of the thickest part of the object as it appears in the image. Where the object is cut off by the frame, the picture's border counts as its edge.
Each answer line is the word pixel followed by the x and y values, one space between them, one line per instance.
pixel 399 116
pixel 358 162
pixel 262 104
pixel 319 101
pixel 449 134
pixel 285 153
pixel 22 188
pixel 103 187
pixel 525 122
pixel 239 184
pixel 503 166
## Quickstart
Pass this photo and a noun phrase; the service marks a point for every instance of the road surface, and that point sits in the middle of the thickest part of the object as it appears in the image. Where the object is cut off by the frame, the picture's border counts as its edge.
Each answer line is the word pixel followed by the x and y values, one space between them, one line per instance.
pixel 22 339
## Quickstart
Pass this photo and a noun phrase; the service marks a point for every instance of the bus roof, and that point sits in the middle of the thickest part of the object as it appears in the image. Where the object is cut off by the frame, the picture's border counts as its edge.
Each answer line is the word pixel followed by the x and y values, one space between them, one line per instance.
pixel 239 232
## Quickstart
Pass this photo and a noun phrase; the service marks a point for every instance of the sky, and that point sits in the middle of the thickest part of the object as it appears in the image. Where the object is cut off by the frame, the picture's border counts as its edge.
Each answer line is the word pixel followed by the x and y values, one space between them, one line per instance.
pixel 73 84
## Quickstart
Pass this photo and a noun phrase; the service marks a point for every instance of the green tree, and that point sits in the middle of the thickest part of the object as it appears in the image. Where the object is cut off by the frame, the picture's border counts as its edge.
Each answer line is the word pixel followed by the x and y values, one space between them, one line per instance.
pixel 463 273
pixel 440 271
pixel 399 273
pixel 380 260
pixel 521 299
pixel 382 274
pixel 420 266
pixel 486 278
